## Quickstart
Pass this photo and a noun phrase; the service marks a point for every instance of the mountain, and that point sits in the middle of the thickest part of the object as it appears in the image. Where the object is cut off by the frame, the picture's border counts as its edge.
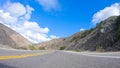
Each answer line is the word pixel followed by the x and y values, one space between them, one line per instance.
pixel 10 38
pixel 104 37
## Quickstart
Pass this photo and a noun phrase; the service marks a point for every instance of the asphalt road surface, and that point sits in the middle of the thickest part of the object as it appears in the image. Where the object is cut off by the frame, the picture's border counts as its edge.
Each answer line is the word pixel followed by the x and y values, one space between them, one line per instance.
pixel 59 59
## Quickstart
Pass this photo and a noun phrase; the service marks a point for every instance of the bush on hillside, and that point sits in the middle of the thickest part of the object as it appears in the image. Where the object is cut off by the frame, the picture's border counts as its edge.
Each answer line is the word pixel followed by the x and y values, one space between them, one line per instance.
pixel 62 48
pixel 41 48
pixel 32 47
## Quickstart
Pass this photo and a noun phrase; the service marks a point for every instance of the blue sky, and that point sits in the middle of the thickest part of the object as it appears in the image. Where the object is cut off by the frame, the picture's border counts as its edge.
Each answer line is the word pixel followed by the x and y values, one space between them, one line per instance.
pixel 66 17
pixel 73 15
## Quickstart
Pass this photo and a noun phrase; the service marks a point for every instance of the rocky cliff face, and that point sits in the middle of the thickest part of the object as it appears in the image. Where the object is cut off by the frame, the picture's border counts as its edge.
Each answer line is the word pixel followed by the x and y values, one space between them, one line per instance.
pixel 10 38
pixel 100 38
pixel 104 37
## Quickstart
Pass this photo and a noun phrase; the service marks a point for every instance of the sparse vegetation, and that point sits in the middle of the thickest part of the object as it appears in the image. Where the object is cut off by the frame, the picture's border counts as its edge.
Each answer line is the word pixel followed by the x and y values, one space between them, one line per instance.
pixel 62 48
pixel 75 38
pixel 80 50
pixel 32 47
pixel 99 25
pixel 117 33
pixel 85 33
pixel 41 48
pixel 23 48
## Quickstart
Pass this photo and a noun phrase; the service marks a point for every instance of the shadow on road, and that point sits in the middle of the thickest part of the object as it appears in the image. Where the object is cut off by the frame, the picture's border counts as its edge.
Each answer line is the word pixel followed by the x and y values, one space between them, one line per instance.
pixel 6 66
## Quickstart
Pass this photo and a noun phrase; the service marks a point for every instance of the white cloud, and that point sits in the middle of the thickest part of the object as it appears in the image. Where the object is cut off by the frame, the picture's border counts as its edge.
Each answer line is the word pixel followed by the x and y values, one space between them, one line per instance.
pixel 53 37
pixel 15 9
pixel 113 10
pixel 31 25
pixel 49 5
pixel 17 16
pixel 82 29
pixel 29 12
pixel 7 18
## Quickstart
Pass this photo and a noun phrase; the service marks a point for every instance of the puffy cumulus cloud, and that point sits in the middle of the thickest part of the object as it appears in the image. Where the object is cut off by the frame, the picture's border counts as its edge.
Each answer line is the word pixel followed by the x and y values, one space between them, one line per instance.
pixel 15 9
pixel 30 25
pixel 113 10
pixel 82 29
pixel 49 5
pixel 17 16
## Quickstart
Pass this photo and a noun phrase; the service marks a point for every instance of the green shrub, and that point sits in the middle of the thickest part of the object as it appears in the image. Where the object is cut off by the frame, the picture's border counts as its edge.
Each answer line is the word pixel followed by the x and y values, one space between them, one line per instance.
pixel 32 47
pixel 62 48
pixel 41 48
pixel 80 50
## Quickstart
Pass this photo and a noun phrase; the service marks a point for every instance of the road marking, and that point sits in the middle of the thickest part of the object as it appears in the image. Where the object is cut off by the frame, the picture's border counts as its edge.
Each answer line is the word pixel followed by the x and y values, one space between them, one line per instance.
pixel 102 56
pixel 94 55
pixel 23 55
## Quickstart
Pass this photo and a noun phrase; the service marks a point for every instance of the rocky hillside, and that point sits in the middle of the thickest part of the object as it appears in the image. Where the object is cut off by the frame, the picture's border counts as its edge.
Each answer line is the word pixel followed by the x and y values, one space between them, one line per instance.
pixel 10 38
pixel 104 37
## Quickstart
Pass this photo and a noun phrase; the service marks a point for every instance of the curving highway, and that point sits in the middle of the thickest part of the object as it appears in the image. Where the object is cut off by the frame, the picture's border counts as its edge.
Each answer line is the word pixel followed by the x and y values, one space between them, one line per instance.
pixel 57 59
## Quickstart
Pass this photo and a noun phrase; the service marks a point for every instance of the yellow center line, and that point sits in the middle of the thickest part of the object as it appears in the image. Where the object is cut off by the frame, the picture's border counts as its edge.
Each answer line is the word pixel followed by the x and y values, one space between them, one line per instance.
pixel 23 55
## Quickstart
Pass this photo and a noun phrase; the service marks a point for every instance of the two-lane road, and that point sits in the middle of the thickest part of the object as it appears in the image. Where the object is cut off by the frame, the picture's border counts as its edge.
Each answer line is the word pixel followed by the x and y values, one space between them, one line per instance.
pixel 59 59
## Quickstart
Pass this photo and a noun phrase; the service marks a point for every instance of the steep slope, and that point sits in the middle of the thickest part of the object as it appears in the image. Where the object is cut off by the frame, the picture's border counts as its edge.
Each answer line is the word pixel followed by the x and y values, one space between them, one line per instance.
pixel 100 38
pixel 10 38
pixel 104 37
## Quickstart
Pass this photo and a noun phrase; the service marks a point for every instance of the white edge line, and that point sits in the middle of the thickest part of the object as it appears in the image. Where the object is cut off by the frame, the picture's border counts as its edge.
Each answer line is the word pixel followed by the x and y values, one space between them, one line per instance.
pixel 82 53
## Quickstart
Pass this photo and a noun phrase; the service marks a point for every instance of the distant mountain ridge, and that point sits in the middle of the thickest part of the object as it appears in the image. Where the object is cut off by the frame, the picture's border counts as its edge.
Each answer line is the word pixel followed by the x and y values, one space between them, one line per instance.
pixel 10 38
pixel 104 37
